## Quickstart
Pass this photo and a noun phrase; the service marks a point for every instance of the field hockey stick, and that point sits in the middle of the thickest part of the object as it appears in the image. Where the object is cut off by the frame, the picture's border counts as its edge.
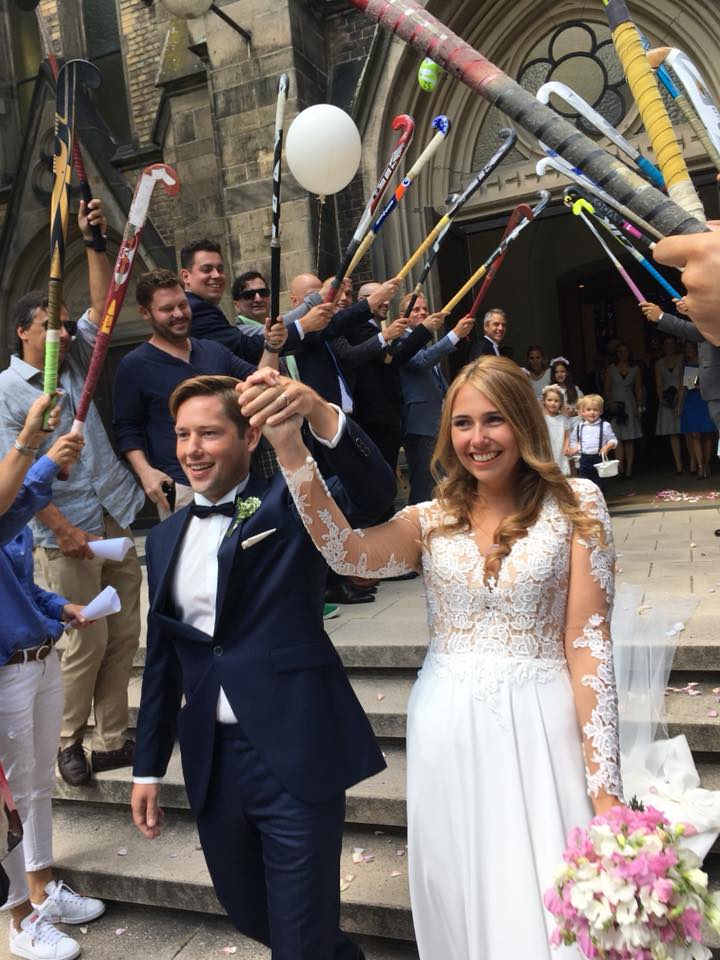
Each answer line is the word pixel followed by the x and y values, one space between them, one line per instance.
pixel 578 208
pixel 643 84
pixel 562 167
pixel 413 23
pixel 571 200
pixel 152 175
pixel 596 119
pixel 283 87
pixel 73 72
pixel 509 136
pixel 609 214
pixel 442 125
pixel 98 240
pixel 406 124
pixel 700 110
pixel 521 211
pixel 499 251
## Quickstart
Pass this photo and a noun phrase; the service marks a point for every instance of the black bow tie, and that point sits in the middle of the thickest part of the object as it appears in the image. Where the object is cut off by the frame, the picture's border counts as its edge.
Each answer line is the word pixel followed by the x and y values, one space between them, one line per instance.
pixel 226 509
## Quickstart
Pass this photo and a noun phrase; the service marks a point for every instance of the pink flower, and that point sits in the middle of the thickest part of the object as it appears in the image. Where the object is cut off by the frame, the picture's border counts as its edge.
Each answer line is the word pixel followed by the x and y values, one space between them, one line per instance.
pixel 691 921
pixel 586 945
pixel 553 902
pixel 663 889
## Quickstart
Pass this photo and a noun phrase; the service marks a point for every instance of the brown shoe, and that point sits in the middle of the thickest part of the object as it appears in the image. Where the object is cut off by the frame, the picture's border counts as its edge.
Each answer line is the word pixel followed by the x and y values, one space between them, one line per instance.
pixel 114 759
pixel 73 765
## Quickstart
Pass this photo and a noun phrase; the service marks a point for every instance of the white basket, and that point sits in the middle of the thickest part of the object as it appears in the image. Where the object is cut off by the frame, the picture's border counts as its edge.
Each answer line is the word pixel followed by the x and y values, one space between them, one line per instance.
pixel 607 468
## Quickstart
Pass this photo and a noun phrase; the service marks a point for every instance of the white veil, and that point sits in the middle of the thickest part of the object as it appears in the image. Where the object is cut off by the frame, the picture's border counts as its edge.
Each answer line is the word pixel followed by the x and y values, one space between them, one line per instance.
pixel 659 771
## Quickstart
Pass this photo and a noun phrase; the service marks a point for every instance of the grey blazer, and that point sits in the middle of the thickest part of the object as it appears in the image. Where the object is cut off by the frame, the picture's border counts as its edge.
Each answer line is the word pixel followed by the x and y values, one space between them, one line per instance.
pixel 708 355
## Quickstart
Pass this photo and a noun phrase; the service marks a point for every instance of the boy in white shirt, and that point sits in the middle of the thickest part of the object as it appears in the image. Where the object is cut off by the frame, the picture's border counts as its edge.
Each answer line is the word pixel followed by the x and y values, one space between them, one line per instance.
pixel 592 437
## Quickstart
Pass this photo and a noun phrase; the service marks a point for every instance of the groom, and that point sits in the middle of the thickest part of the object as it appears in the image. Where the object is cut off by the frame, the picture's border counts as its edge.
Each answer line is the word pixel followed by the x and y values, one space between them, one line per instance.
pixel 271 733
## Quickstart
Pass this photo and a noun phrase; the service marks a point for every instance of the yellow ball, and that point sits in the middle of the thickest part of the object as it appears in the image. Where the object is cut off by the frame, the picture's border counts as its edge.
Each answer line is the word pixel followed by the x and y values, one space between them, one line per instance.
pixel 429 75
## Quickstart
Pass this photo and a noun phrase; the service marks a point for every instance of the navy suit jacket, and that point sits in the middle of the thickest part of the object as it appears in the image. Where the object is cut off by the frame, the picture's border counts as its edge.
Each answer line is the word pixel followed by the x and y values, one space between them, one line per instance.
pixel 424 388
pixel 270 653
pixel 483 348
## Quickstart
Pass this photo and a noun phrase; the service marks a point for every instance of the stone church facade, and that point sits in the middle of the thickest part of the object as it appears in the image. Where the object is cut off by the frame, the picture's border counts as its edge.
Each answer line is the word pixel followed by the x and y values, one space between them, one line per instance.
pixel 196 95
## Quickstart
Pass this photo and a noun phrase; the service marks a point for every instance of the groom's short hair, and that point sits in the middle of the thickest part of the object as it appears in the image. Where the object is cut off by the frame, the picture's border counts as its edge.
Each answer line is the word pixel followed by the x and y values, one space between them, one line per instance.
pixel 210 385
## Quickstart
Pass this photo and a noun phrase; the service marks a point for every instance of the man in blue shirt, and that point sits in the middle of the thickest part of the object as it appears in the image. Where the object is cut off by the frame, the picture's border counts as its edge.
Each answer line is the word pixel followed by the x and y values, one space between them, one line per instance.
pixel 31 699
pixel 147 375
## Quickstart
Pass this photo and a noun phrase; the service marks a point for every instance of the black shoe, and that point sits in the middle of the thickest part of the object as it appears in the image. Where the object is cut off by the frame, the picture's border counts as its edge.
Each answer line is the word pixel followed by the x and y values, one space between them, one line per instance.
pixel 114 759
pixel 344 592
pixel 73 765
pixel 403 576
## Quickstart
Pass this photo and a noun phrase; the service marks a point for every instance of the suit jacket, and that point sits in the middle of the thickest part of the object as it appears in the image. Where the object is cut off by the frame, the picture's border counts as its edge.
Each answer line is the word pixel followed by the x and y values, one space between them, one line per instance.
pixel 277 666
pixel 314 361
pixel 376 388
pixel 210 323
pixel 424 388
pixel 483 348
pixel 708 355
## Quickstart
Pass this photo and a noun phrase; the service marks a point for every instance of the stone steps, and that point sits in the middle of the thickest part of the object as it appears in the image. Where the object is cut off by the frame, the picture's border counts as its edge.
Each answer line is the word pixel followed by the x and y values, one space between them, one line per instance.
pixel 380 800
pixel 98 850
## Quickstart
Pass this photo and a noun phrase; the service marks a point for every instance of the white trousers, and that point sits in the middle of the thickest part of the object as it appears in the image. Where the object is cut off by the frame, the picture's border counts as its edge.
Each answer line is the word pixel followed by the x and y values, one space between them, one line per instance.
pixel 31 705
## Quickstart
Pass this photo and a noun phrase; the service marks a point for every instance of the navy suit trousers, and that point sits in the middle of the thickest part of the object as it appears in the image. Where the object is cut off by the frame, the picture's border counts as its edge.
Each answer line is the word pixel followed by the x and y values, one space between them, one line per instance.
pixel 273 859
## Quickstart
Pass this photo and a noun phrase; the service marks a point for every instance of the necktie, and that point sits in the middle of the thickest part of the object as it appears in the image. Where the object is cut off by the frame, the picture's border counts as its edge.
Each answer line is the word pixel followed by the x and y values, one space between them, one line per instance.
pixel 226 509
pixel 346 401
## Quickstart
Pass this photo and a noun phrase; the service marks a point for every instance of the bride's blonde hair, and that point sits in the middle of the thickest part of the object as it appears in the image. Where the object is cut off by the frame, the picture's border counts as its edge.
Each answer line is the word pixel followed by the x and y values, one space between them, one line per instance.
pixel 508 388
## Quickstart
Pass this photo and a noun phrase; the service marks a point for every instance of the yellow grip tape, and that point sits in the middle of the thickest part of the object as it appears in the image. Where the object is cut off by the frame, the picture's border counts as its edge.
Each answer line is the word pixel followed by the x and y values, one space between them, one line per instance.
pixel 641 80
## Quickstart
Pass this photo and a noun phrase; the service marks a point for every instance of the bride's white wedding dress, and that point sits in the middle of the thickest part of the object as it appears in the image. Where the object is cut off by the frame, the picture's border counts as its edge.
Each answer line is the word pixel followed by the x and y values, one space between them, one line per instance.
pixel 513 718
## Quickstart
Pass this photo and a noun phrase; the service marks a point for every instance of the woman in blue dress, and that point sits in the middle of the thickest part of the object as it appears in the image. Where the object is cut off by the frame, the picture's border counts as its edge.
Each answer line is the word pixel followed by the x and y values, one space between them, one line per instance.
pixel 695 420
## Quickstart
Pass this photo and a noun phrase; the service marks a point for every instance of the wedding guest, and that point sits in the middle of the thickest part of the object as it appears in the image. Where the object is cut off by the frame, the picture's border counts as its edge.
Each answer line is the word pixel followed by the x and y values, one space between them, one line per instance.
pixel 624 395
pixel 695 421
pixel 553 399
pixel 494 330
pixel 31 698
pixel 537 369
pixel 561 374
pixel 668 380
pixel 592 438
pixel 516 698
pixel 99 499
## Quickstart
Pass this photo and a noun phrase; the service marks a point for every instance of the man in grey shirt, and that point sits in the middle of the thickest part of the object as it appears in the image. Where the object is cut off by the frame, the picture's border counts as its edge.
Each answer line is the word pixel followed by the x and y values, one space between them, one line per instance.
pixel 100 499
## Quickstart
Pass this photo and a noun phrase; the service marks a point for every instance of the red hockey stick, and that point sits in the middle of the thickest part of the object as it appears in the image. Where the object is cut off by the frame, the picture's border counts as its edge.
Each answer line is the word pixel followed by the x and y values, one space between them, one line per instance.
pixel 155 173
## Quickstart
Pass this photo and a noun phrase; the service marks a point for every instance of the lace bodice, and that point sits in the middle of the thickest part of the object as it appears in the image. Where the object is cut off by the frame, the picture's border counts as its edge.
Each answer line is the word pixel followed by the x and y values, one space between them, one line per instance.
pixel 548 611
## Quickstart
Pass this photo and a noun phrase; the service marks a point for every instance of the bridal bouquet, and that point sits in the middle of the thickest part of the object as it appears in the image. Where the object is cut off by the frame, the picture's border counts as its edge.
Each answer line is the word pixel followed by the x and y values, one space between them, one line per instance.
pixel 628 890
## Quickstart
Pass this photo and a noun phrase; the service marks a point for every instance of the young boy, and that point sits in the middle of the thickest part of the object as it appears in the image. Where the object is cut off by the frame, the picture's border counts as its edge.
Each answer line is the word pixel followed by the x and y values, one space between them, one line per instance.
pixel 592 437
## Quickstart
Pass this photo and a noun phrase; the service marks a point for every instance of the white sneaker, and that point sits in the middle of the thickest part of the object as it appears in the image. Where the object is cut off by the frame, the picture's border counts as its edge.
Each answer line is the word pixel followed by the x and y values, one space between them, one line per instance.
pixel 38 939
pixel 63 905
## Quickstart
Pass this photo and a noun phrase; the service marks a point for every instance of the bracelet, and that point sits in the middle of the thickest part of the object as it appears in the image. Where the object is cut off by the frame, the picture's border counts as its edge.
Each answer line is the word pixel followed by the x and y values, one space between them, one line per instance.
pixel 271 349
pixel 25 451
pixel 100 246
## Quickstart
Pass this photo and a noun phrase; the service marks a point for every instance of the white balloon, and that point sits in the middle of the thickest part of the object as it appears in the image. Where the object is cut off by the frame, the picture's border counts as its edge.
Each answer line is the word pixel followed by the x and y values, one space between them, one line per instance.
pixel 187 9
pixel 323 149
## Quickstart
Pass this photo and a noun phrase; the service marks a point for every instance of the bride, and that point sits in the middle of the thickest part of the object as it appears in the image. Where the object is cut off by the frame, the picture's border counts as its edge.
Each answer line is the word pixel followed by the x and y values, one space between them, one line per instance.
pixel 512 735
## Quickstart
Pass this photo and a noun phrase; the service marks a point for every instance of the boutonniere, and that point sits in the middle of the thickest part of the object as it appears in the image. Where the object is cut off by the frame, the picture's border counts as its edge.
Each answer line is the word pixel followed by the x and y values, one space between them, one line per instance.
pixel 243 509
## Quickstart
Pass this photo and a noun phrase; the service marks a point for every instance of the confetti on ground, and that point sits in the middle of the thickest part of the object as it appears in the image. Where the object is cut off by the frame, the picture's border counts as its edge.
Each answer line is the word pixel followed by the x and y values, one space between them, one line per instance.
pixel 381 696
pixel 122 852
pixel 120 931
pixel 675 496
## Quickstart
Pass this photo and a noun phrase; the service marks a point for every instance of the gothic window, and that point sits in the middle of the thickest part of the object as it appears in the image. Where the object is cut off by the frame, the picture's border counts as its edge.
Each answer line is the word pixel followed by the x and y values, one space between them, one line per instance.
pixel 102 37
pixel 27 55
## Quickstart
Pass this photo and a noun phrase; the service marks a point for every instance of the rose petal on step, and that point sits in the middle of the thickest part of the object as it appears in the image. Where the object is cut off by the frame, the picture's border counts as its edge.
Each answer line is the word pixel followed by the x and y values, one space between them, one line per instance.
pixel 396 873
pixel 692 683
pixel 368 857
pixel 694 693
pixel 679 626
pixel 693 544
pixel 379 833
pixel 229 950
pixel 120 931
pixel 357 854
pixel 346 881
pixel 83 930
pixel 122 852
pixel 400 852
pixel 712 713
pixel 380 696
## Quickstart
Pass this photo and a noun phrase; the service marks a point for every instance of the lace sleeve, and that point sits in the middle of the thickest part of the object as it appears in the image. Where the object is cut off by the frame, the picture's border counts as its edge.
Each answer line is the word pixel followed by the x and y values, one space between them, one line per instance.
pixel 388 550
pixel 588 647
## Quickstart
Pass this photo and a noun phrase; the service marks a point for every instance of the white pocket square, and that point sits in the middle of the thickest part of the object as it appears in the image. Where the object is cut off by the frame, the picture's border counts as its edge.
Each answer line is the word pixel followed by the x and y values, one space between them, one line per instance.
pixel 251 541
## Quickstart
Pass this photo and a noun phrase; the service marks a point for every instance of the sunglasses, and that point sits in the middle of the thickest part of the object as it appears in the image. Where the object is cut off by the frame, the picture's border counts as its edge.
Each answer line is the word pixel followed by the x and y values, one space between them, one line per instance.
pixel 251 294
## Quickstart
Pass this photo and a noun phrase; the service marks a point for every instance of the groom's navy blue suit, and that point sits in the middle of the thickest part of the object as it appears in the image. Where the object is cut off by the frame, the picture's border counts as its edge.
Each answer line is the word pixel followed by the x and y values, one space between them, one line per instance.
pixel 302 737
